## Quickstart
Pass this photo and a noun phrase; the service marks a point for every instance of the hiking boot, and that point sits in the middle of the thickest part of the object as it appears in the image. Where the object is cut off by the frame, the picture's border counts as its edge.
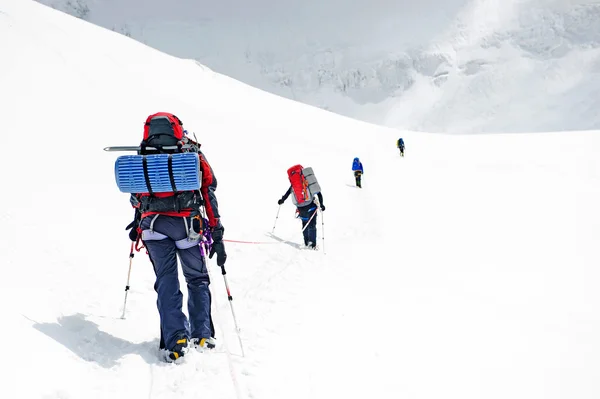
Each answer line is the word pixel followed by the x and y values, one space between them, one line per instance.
pixel 203 343
pixel 311 245
pixel 178 350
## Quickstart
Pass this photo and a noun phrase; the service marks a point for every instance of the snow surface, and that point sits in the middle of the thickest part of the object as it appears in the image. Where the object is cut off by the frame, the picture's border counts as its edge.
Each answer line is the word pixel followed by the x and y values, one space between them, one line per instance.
pixel 467 269
pixel 428 65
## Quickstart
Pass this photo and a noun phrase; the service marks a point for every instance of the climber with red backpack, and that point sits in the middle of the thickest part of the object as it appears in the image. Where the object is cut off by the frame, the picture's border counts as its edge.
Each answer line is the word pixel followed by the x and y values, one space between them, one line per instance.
pixel 174 214
pixel 304 186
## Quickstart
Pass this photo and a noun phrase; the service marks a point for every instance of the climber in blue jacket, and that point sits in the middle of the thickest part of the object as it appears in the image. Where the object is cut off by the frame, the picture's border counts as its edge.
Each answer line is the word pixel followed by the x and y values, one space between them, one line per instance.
pixel 358 171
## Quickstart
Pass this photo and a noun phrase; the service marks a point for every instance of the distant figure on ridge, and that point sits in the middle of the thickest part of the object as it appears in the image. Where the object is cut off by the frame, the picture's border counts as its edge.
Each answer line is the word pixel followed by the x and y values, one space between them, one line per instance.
pixel 400 146
pixel 357 167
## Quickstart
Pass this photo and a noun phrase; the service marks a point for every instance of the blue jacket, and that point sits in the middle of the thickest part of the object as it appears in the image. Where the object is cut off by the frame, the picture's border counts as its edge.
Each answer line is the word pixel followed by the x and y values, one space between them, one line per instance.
pixel 357 165
pixel 400 143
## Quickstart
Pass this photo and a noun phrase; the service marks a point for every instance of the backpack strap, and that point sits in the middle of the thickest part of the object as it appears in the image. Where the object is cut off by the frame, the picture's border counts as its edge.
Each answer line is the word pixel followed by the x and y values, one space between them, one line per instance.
pixel 152 222
pixel 147 176
pixel 171 177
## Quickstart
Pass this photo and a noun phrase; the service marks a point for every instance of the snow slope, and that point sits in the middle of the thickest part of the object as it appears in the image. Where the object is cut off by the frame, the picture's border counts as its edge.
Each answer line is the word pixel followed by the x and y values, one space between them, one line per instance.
pixel 467 269
pixel 455 66
pixel 509 66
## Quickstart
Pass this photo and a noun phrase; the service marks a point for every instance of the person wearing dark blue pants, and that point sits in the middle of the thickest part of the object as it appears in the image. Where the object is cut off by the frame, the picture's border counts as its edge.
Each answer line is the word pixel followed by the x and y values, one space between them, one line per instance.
pixel 167 239
pixel 171 225
pixel 309 225
pixel 305 213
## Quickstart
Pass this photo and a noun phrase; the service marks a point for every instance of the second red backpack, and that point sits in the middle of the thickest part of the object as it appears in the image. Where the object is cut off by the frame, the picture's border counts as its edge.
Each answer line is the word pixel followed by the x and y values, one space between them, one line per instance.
pixel 299 185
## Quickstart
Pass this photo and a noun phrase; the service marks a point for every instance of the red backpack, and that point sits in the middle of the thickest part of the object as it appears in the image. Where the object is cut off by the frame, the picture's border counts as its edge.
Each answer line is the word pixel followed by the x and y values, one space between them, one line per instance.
pixel 162 129
pixel 164 134
pixel 299 184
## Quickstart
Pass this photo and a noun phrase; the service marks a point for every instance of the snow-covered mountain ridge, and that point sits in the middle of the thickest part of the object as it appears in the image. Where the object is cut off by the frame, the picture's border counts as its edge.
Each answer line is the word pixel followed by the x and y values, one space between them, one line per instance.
pixel 459 66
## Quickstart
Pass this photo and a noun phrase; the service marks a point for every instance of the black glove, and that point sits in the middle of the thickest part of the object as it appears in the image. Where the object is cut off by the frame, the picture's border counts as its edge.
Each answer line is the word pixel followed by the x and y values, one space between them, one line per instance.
pixel 219 249
pixel 322 207
pixel 281 201
pixel 133 234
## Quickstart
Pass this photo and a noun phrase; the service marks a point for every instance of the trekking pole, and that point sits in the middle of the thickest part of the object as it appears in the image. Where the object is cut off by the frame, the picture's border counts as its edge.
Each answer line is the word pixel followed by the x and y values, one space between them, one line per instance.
pixel 276 217
pixel 323 231
pixel 230 298
pixel 322 223
pixel 205 246
pixel 309 220
pixel 131 255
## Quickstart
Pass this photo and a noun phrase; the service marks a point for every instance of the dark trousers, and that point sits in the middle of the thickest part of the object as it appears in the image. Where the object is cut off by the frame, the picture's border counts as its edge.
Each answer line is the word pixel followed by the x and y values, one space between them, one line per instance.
pixel 310 232
pixel 166 241
pixel 357 177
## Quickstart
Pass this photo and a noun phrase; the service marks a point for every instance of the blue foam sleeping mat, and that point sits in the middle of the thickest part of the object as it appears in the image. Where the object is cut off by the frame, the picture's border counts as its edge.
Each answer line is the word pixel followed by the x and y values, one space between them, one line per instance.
pixel 157 173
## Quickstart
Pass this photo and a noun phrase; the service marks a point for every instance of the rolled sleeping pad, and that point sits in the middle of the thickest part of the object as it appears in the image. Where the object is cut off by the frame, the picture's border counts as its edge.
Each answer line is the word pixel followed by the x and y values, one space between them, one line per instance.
pixel 311 179
pixel 158 173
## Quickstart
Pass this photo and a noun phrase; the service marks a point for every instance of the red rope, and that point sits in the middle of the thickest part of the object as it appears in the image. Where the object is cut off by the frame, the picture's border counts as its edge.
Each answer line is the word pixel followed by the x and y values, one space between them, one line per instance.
pixel 251 242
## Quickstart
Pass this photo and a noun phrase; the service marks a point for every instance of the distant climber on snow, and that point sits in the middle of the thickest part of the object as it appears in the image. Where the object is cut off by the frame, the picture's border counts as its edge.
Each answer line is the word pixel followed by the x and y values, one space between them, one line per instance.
pixel 305 187
pixel 357 167
pixel 400 145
